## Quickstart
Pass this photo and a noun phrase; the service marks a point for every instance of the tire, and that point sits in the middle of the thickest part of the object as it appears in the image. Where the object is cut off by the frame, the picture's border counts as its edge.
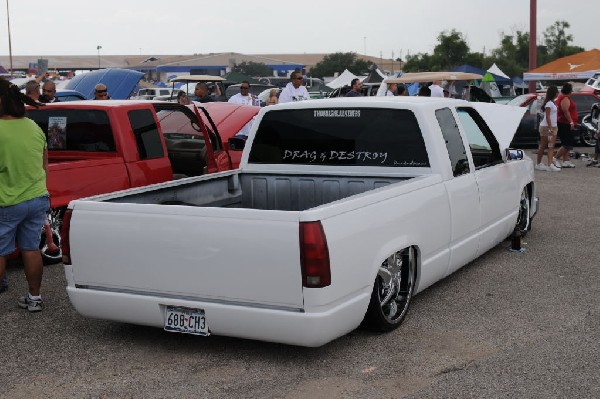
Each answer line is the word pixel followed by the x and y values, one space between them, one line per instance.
pixel 55 221
pixel 586 137
pixel 392 291
pixel 523 224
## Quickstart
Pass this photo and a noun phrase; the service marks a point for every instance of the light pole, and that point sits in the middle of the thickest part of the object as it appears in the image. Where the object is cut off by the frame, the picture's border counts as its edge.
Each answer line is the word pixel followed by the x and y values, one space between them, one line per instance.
pixel 9 43
pixel 532 41
pixel 98 48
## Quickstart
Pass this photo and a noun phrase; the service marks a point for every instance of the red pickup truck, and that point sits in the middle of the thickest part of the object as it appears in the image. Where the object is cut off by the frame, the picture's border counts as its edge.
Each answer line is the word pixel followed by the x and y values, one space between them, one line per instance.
pixel 97 147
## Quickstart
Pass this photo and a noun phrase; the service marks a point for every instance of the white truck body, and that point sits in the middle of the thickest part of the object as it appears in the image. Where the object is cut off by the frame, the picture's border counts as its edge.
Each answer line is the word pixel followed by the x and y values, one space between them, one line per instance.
pixel 227 245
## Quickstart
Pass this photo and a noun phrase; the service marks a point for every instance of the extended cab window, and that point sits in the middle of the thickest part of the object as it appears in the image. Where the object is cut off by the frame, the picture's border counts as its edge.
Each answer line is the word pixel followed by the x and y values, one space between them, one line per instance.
pixel 146 134
pixel 340 136
pixel 454 143
pixel 75 129
pixel 482 143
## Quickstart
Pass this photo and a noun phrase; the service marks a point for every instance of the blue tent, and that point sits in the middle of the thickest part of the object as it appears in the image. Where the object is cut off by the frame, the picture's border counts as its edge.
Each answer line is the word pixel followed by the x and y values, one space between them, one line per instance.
pixel 471 69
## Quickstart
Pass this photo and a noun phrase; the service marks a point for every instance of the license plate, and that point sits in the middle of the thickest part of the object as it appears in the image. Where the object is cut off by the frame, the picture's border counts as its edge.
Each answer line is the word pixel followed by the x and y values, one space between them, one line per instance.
pixel 186 320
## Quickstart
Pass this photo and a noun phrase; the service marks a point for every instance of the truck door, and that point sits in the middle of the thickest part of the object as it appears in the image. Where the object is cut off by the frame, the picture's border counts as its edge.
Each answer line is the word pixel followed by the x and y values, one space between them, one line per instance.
pixel 218 157
pixel 495 182
pixel 463 195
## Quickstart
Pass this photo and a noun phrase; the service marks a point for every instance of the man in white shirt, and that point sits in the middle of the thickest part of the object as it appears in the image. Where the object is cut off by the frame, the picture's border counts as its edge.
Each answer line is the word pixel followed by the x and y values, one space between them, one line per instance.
pixel 243 97
pixel 436 89
pixel 392 90
pixel 294 91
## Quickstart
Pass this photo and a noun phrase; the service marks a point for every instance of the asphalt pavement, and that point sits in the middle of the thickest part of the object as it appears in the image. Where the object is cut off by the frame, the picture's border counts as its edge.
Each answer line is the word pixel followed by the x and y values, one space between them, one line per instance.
pixel 508 325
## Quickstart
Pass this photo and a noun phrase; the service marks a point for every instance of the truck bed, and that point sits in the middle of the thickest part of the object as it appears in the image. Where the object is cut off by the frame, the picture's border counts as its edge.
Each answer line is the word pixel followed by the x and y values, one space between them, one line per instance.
pixel 282 192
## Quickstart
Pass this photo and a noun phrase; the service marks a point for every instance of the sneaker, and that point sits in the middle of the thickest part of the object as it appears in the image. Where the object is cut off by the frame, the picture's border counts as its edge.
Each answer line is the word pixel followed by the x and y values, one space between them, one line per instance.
pixel 541 166
pixel 557 163
pixel 3 288
pixel 593 162
pixel 568 164
pixel 553 168
pixel 32 305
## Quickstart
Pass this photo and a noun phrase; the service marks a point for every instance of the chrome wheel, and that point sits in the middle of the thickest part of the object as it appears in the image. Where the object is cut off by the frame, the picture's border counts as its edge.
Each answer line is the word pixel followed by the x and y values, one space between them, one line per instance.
pixel 52 255
pixel 392 291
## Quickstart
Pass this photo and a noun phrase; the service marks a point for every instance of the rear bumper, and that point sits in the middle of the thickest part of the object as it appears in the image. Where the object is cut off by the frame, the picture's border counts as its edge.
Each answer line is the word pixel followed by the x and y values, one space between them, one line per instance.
pixel 293 327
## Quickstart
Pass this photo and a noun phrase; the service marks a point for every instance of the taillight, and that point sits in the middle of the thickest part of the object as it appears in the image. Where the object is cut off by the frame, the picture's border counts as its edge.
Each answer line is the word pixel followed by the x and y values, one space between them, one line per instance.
pixel 65 242
pixel 314 256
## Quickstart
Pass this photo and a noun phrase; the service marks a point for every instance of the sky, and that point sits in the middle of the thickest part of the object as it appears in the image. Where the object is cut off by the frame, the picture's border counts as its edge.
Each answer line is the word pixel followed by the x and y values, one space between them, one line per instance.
pixel 377 28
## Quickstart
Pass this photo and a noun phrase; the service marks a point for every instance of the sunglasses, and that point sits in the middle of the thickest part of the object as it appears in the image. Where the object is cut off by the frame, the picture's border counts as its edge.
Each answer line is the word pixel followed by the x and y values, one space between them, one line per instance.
pixel 101 91
pixel 298 78
pixel 48 91
pixel 244 88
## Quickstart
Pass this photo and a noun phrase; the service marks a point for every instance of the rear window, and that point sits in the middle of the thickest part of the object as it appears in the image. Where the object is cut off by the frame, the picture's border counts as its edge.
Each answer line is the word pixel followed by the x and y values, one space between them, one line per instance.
pixel 75 129
pixel 340 136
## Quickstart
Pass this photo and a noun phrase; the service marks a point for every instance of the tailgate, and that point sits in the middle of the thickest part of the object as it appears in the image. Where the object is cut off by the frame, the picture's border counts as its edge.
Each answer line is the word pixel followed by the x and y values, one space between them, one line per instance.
pixel 242 256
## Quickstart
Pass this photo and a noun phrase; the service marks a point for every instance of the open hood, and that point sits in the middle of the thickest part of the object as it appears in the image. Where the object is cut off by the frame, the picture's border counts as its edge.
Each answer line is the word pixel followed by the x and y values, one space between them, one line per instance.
pixel 119 82
pixel 503 120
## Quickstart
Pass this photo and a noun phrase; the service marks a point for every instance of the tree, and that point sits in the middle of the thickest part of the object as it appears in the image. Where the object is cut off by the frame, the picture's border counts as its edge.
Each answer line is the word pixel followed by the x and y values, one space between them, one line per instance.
pixel 337 62
pixel 253 69
pixel 557 40
pixel 513 54
pixel 420 62
pixel 450 51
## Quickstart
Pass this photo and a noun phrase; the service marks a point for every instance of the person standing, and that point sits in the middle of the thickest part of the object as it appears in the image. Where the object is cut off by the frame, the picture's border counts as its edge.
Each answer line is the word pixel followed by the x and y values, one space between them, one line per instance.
pixel 566 121
pixel 355 88
pixel 32 90
pixel 401 91
pixel 24 197
pixel 48 92
pixel 101 92
pixel 243 97
pixel 392 90
pixel 548 131
pixel 294 91
pixel 436 89
pixel 272 100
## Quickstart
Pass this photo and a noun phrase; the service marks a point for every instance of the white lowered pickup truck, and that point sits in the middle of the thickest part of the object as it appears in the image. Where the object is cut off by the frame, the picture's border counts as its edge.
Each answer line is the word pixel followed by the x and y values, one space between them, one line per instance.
pixel 341 211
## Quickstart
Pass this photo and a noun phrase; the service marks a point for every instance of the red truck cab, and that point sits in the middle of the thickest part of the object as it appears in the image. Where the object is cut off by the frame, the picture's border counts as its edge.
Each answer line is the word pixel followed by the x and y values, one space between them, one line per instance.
pixel 97 147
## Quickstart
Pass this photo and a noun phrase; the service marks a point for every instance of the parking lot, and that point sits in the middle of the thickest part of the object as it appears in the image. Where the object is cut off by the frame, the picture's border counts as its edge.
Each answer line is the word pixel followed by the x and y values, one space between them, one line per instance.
pixel 522 325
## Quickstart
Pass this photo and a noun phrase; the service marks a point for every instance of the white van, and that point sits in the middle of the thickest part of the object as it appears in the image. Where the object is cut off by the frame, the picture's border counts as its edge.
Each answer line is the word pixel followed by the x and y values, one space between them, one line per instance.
pixel 151 92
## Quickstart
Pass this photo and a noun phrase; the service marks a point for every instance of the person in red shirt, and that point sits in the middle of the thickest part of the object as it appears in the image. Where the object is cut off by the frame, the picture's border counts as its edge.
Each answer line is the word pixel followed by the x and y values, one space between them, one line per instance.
pixel 566 122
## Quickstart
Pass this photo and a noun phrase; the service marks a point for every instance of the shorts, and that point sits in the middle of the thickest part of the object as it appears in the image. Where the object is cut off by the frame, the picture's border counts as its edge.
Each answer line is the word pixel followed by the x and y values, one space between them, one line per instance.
pixel 23 223
pixel 547 131
pixel 565 134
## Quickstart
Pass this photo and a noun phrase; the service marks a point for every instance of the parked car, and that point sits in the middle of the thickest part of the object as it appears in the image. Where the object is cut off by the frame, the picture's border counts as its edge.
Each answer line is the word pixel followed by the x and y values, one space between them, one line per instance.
pixel 528 136
pixel 151 93
pixel 255 89
pixel 69 95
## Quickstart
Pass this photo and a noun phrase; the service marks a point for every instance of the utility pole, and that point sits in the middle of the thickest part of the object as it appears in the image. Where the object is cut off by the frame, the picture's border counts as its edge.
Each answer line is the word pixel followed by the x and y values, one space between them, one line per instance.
pixel 532 41
pixel 9 42
pixel 98 48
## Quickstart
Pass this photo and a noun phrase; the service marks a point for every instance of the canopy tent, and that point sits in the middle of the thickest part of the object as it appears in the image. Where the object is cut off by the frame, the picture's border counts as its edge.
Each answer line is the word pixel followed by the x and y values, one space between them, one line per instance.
pixel 374 76
pixel 489 85
pixel 499 79
pixel 343 80
pixel 577 66
pixel 411 77
pixel 497 71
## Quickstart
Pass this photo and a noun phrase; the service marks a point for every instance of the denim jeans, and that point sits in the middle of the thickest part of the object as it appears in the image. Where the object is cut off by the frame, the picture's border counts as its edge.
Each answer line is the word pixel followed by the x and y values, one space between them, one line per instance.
pixel 22 223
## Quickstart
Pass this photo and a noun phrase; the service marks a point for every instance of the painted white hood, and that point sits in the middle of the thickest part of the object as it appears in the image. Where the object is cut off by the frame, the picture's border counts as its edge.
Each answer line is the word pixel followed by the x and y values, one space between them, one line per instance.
pixel 503 120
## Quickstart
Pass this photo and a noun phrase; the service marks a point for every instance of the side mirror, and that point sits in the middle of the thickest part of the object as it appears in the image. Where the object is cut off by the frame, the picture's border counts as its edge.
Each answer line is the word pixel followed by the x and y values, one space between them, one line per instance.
pixel 514 154
pixel 236 143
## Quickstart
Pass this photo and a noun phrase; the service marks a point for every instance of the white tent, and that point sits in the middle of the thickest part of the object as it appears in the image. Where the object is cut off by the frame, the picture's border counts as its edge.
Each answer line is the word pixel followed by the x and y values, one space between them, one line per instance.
pixel 497 71
pixel 343 80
